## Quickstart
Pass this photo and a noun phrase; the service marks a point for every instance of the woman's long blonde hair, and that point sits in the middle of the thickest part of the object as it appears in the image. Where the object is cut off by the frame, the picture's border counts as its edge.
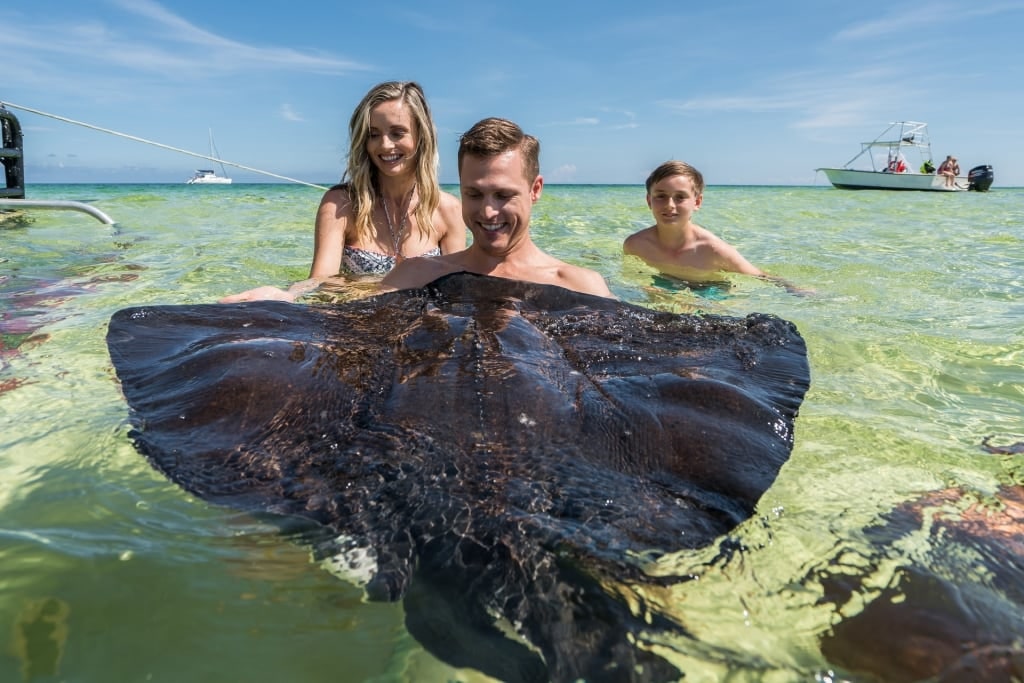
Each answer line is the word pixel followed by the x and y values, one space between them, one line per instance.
pixel 361 175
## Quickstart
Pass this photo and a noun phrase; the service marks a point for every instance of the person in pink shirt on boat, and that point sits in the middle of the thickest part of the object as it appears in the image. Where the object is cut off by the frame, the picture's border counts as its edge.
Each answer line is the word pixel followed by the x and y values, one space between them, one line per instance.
pixel 897 164
pixel 389 206
pixel 949 169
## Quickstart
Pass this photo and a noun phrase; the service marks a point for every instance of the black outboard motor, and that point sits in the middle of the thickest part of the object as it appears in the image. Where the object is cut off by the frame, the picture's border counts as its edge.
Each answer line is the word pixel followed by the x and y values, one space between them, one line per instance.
pixel 980 178
pixel 11 155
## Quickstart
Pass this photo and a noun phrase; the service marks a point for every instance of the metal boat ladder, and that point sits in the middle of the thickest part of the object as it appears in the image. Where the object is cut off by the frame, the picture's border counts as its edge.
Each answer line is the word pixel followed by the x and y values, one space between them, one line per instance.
pixel 12 156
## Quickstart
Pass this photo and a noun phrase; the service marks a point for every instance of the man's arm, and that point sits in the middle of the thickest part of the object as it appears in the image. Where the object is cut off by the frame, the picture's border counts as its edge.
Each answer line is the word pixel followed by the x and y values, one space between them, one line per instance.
pixel 415 272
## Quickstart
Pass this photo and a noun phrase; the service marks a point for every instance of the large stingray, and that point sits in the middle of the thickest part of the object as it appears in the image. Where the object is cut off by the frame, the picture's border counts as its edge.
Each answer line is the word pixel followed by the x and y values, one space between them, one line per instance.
pixel 499 455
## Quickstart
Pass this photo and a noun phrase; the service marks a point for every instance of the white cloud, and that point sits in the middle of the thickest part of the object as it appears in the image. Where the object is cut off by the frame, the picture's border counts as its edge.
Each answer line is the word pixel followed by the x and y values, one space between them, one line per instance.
pixel 164 43
pixel 578 121
pixel 562 174
pixel 289 114
pixel 916 18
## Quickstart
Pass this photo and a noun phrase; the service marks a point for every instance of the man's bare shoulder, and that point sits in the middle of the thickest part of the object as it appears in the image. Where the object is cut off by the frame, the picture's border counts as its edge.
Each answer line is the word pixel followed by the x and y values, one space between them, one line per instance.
pixel 580 279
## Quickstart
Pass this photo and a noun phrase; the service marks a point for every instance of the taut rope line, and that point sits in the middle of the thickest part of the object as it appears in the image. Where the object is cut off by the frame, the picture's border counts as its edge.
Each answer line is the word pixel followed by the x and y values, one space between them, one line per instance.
pixel 157 144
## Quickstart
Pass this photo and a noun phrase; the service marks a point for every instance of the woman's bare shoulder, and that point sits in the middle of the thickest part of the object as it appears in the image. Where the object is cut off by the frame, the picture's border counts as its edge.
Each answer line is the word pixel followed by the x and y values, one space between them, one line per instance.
pixel 334 217
pixel 449 206
pixel 337 196
pixel 448 199
pixel 449 224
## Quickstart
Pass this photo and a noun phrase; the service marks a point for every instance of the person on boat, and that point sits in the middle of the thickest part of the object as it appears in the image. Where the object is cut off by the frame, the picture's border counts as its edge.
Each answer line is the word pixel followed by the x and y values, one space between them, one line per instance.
pixel 949 169
pixel 499 179
pixel 897 164
pixel 678 247
pixel 927 168
pixel 389 205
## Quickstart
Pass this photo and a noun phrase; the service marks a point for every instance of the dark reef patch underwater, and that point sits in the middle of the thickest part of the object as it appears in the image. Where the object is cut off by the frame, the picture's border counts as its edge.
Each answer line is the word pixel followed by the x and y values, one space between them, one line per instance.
pixel 494 453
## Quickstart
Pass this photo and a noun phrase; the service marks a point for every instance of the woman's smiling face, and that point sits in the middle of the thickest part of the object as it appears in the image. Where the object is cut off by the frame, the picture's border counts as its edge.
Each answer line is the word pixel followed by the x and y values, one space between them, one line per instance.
pixel 392 139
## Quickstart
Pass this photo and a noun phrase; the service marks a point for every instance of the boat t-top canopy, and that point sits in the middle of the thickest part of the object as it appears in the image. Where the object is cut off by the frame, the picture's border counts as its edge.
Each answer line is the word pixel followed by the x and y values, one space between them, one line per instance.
pixel 898 136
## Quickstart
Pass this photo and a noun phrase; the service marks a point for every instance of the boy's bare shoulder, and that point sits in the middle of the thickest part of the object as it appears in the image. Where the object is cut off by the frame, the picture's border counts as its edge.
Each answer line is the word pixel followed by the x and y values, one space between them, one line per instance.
pixel 638 240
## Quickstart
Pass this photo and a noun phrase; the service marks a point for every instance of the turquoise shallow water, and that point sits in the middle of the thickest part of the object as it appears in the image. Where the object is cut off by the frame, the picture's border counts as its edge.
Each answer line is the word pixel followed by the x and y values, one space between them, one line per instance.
pixel 916 347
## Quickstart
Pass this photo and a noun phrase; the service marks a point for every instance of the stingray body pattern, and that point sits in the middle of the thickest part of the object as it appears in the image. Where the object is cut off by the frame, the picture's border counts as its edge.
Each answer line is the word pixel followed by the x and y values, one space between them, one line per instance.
pixel 951 613
pixel 494 453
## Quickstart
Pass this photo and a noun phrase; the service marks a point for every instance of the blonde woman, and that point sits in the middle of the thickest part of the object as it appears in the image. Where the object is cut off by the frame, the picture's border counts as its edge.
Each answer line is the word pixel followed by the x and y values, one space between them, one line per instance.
pixel 389 206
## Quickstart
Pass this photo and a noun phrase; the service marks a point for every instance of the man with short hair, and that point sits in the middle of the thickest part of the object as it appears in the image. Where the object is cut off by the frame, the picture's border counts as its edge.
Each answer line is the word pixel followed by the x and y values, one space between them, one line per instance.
pixel 499 178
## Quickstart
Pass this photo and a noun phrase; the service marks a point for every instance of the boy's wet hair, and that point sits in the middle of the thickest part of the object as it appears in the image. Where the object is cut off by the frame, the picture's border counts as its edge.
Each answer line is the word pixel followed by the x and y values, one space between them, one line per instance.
pixel 674 168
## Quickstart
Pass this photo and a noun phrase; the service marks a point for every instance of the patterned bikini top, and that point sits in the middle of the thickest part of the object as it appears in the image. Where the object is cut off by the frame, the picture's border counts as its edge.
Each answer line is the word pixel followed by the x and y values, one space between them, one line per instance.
pixel 362 262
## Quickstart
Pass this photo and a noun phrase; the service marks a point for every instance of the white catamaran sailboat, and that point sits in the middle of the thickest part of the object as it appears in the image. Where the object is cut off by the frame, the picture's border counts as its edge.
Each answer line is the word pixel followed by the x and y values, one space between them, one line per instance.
pixel 206 176
pixel 884 164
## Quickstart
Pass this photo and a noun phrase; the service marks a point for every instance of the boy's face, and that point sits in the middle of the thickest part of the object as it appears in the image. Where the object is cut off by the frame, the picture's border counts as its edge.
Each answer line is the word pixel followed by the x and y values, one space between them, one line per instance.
pixel 673 200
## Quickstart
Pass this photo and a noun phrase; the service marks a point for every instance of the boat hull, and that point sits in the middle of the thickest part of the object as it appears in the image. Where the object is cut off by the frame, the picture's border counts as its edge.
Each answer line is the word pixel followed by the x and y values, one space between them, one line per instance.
pixel 205 176
pixel 848 179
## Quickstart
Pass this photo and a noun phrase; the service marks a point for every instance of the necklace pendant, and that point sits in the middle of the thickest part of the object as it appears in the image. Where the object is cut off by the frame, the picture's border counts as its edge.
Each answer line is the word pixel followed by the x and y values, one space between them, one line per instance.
pixel 396 239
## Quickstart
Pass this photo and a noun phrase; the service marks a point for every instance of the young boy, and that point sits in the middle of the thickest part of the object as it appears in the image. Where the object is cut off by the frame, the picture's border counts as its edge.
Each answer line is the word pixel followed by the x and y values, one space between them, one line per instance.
pixel 676 245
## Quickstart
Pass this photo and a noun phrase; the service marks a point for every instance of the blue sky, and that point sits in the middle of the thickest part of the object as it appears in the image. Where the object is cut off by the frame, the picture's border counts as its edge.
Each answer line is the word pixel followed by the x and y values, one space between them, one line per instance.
pixel 749 92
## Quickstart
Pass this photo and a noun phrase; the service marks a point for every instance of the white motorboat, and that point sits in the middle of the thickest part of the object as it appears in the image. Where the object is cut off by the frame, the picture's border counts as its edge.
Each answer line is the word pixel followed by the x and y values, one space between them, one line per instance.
pixel 901 159
pixel 207 176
